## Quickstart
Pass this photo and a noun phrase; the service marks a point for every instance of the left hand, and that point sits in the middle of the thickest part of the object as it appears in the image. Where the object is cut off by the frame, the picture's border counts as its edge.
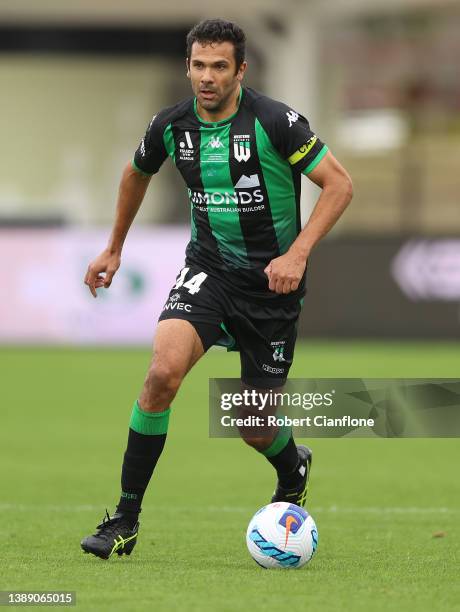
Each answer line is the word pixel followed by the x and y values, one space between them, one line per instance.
pixel 285 272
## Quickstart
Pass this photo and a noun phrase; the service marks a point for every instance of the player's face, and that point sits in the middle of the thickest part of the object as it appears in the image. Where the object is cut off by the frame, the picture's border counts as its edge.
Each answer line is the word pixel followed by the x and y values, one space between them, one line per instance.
pixel 212 71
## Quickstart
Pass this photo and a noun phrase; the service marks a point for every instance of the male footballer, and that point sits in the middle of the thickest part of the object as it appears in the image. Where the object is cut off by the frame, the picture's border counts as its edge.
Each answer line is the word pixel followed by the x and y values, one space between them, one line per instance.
pixel 241 155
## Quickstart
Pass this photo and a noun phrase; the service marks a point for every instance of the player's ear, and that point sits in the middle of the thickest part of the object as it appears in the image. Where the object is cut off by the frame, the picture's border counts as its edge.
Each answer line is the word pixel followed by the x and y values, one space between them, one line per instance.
pixel 241 71
pixel 187 65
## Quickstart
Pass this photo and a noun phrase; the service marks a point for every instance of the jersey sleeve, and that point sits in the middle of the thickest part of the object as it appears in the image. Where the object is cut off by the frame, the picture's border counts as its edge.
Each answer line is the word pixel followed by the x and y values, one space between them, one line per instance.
pixel 292 137
pixel 151 152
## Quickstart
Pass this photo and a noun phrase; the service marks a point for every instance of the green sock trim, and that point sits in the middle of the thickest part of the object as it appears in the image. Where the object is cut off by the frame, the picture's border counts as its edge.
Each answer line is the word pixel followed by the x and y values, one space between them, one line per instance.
pixel 280 441
pixel 149 423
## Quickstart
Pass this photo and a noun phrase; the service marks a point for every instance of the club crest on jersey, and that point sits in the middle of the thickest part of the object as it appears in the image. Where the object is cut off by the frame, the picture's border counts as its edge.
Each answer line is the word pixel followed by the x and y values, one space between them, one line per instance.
pixel 241 147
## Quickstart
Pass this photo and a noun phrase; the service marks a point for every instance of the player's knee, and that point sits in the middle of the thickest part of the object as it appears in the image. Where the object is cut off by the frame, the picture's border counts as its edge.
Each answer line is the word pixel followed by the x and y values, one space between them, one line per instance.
pixel 162 380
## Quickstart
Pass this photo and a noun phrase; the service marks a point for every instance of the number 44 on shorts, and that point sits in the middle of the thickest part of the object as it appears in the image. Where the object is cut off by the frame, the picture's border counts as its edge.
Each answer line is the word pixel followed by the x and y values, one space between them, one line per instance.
pixel 193 285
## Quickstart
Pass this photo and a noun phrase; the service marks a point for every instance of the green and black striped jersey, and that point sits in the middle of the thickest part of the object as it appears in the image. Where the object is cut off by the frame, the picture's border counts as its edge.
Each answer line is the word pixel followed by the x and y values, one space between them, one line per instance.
pixel 243 177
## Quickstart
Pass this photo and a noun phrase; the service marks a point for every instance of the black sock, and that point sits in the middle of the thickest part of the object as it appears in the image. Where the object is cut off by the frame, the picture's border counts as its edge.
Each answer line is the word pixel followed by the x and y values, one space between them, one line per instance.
pixel 139 461
pixel 286 464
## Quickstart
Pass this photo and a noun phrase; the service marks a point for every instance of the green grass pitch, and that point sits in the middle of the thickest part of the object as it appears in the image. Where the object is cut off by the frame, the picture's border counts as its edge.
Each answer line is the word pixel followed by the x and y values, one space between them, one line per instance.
pixel 377 502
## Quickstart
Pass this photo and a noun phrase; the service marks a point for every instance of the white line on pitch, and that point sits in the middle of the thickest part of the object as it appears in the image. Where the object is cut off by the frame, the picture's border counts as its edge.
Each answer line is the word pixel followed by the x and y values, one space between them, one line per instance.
pixel 235 509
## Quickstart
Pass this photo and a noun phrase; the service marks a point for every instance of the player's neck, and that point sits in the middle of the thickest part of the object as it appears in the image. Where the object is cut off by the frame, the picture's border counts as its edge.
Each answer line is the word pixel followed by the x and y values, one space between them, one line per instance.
pixel 223 113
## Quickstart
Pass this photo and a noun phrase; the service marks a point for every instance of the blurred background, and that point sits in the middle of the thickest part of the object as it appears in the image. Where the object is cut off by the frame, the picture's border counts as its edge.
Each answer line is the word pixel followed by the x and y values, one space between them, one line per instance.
pixel 379 82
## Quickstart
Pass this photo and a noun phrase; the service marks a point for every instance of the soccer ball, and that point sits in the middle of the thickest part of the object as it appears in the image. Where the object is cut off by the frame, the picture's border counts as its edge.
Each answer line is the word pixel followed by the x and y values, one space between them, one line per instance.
pixel 282 535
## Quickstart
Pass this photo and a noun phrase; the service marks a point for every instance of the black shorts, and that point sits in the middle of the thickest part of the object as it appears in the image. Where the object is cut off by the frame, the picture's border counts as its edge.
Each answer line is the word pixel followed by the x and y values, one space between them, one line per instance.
pixel 264 334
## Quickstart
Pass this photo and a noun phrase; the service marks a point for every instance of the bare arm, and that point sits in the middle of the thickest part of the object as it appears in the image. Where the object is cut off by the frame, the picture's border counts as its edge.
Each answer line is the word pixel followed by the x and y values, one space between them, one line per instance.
pixel 131 192
pixel 285 272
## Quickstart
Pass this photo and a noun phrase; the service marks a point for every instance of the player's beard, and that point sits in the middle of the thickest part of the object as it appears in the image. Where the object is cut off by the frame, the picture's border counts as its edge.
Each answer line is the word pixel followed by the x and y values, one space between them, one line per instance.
pixel 211 105
pixel 218 103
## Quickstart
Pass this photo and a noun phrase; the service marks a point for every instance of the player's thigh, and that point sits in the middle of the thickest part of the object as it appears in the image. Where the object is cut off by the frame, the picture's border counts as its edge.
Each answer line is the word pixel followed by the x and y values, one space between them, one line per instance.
pixel 176 346
pixel 189 322
pixel 266 338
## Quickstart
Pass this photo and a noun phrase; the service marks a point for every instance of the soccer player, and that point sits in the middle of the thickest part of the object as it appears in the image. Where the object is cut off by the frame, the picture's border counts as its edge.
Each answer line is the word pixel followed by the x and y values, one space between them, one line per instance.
pixel 241 155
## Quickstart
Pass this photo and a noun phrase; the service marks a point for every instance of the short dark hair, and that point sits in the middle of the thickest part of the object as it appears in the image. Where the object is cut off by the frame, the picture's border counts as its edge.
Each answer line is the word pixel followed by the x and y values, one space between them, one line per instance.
pixel 217 31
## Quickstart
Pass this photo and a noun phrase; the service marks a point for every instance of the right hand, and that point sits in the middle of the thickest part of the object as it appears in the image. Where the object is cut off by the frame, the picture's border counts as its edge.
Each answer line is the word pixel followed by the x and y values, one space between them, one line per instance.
pixel 107 263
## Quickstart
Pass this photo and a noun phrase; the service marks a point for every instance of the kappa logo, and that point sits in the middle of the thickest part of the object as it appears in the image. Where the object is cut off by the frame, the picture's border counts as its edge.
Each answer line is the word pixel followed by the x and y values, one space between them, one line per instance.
pixel 215 143
pixel 292 117
pixel 142 145
pixel 267 368
pixel 241 147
